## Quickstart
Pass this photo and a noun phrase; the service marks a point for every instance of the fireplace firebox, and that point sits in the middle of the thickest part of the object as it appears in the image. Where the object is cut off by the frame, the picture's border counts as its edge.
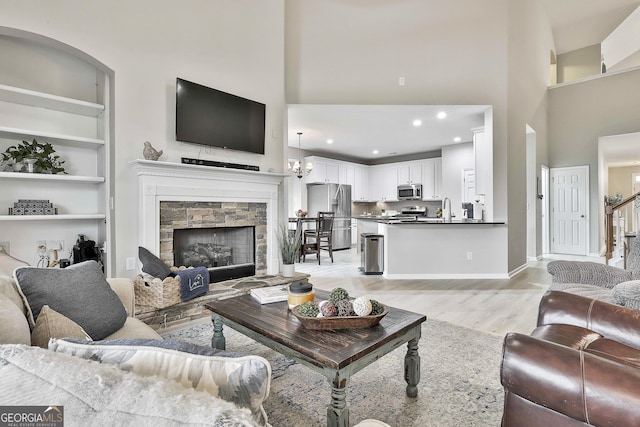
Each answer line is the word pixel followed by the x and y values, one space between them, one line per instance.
pixel 227 252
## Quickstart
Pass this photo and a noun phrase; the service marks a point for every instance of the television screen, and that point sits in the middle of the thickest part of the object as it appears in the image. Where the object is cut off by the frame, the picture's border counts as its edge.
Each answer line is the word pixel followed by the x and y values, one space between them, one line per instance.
pixel 211 117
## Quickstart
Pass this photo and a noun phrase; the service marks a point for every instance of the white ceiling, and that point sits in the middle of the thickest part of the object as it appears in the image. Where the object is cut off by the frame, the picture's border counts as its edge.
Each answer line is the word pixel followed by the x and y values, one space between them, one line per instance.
pixel 357 130
pixel 620 150
pixel 581 23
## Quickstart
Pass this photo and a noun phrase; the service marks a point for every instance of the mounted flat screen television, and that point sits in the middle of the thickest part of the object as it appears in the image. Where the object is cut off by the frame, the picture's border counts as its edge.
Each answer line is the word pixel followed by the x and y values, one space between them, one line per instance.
pixel 211 117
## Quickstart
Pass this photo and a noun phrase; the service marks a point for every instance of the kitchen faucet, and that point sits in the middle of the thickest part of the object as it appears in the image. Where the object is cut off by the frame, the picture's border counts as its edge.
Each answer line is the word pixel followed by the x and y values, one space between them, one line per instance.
pixel 446 212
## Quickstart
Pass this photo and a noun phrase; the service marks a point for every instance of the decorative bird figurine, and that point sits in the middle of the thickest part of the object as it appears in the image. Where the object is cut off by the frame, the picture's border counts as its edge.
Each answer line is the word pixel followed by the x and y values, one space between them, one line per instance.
pixel 150 153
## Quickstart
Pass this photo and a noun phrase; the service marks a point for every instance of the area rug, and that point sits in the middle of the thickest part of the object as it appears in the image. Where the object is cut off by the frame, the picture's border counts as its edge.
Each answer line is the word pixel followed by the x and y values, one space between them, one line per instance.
pixel 459 385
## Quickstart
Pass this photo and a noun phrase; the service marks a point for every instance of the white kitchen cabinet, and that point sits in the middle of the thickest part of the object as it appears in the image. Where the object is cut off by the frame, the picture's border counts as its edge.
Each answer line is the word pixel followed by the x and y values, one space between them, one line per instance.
pixel 360 190
pixel 409 173
pixel 346 174
pixel 325 171
pixel 432 179
pixel 383 183
pixel 79 133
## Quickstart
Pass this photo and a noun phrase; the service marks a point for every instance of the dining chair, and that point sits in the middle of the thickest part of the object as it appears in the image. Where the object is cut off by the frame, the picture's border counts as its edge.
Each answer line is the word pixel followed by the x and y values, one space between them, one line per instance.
pixel 321 238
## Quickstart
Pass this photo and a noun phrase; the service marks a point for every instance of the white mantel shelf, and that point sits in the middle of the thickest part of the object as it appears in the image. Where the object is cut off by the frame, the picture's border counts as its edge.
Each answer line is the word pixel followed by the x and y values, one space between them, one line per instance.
pixel 151 167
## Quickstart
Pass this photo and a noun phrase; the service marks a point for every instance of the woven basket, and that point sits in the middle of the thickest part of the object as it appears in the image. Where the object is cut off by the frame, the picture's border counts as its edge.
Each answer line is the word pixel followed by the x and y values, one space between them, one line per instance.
pixel 157 293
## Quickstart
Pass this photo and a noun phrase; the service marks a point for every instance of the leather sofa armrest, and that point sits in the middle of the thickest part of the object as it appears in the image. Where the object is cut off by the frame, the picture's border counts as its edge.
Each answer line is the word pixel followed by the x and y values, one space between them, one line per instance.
pixel 124 289
pixel 586 272
pixel 579 385
pixel 609 320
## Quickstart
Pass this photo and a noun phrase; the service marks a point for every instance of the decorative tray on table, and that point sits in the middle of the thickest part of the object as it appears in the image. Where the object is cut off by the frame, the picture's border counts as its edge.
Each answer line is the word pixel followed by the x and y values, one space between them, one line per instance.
pixel 340 322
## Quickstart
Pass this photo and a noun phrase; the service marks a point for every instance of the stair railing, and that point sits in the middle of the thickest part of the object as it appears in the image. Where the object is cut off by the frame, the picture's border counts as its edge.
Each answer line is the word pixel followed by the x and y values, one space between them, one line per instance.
pixel 609 210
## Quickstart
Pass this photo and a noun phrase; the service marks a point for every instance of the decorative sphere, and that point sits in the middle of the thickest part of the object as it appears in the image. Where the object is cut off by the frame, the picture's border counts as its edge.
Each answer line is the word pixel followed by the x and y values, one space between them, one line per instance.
pixel 376 307
pixel 308 309
pixel 328 309
pixel 345 308
pixel 362 306
pixel 338 294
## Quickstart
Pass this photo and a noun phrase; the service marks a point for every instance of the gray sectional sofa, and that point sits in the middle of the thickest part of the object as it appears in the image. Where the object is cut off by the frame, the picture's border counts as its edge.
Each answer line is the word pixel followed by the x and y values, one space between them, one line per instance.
pixel 600 281
pixel 129 376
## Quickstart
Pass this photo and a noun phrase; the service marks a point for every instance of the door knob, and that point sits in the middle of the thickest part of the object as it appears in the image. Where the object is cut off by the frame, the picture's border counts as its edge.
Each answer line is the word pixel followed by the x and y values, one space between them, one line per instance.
pixel 581 216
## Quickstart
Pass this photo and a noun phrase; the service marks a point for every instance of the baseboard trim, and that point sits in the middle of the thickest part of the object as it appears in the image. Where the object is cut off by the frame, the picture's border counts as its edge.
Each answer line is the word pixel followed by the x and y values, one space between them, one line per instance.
pixel 444 276
pixel 517 270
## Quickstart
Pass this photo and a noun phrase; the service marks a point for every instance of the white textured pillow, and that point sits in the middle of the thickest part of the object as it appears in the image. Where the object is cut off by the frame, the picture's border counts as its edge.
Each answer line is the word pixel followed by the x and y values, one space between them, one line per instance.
pixel 243 380
pixel 627 294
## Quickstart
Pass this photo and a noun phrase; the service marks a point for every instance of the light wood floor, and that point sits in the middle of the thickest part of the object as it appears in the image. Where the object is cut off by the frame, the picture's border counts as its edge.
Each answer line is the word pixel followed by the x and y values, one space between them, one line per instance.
pixel 494 306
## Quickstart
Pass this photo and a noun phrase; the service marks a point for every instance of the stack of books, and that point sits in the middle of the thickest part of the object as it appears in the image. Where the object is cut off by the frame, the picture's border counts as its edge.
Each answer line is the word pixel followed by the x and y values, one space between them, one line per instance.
pixel 270 294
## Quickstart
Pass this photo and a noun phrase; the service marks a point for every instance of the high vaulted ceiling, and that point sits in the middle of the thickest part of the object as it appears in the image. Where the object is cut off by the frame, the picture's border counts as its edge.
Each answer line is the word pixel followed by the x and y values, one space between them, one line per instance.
pixel 581 23
pixel 575 24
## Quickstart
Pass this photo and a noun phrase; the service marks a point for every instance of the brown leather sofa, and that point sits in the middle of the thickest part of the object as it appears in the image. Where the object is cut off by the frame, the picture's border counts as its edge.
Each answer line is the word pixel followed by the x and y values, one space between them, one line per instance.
pixel 579 367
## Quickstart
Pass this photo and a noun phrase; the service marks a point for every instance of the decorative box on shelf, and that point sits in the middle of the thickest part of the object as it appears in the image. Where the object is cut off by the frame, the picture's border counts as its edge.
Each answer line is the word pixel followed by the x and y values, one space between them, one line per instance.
pixel 33 207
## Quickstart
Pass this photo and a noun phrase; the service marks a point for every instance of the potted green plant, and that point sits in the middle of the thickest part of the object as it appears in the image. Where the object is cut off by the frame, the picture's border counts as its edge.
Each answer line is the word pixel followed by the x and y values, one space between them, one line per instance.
pixel 39 157
pixel 289 242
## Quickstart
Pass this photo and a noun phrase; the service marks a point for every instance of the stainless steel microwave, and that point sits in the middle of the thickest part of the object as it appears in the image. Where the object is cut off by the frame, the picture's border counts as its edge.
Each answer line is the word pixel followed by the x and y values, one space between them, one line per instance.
pixel 410 192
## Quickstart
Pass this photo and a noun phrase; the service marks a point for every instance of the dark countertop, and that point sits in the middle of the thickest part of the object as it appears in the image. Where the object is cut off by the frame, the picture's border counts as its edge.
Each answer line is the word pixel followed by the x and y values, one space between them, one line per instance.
pixel 452 222
pixel 428 220
pixel 370 217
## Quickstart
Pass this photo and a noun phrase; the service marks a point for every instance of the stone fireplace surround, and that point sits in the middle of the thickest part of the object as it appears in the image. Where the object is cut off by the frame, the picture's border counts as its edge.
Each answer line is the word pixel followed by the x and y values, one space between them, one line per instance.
pixel 177 182
pixel 213 215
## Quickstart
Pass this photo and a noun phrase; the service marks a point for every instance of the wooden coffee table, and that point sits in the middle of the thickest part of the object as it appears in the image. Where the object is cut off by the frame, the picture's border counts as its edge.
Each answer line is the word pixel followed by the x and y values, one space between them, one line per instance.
pixel 335 354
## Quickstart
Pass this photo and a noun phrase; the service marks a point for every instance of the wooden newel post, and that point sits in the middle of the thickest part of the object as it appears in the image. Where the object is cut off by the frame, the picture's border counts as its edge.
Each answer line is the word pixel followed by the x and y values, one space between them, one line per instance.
pixel 608 225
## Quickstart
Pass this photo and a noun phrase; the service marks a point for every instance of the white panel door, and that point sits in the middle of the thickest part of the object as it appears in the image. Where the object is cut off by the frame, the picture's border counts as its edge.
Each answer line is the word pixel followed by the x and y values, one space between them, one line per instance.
pixel 570 189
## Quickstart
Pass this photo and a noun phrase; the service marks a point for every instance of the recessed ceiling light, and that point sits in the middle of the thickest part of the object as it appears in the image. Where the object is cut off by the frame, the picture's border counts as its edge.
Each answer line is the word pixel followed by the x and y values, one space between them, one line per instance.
pixel 457 139
pixel 417 122
pixel 442 115
pixel 329 141
pixel 375 151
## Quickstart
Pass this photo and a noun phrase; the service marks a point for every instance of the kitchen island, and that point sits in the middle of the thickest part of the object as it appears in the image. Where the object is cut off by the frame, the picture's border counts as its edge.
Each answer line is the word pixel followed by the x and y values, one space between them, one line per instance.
pixel 431 248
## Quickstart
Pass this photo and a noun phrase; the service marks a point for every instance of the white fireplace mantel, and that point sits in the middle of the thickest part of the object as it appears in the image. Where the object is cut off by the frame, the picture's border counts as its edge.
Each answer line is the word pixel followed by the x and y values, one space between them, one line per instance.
pixel 164 181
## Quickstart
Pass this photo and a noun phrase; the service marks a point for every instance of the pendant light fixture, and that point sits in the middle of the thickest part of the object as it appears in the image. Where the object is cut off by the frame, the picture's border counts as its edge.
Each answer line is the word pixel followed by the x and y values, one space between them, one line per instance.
pixel 297 168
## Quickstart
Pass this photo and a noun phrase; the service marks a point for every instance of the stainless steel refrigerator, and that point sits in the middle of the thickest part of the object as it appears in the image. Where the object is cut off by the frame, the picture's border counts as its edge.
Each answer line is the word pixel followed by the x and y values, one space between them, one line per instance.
pixel 333 198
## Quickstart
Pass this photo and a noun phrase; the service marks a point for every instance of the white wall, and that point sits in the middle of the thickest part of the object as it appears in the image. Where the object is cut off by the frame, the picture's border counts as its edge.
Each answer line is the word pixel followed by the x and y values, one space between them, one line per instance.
pixel 236 46
pixel 581 113
pixel 463 52
pixel 530 41
pixel 579 63
pixel 622 43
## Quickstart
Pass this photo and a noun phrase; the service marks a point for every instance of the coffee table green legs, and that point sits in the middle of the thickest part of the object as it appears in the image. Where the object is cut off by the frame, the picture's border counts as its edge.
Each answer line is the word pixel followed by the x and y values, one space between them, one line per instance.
pixel 412 367
pixel 217 341
pixel 338 412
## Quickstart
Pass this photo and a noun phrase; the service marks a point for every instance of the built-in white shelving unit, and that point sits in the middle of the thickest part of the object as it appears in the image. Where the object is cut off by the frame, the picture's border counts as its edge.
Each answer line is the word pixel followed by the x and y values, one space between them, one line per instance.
pixel 53 138
pixel 48 177
pixel 81 198
pixel 51 217
pixel 51 102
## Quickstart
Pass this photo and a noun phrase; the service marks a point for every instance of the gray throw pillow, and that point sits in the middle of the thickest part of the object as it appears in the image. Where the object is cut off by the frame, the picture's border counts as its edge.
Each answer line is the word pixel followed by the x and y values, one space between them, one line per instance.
pixel 79 292
pixel 627 294
pixel 153 265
